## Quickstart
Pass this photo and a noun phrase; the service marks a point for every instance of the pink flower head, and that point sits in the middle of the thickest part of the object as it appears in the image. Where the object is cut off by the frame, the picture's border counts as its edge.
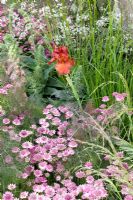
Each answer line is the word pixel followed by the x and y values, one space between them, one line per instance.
pixel 6 121
pixel 16 122
pixel 72 144
pixel 8 196
pixel 90 179
pixel 55 112
pixel 11 186
pixel 33 196
pixel 23 195
pixel 15 150
pixel 125 165
pixel 128 197
pixel 80 174
pixel 88 165
pixel 46 111
pixel 25 133
pixel 107 157
pixel 102 106
pixel 3 91
pixel 100 118
pixel 119 96
pixel 49 191
pixel 105 99
pixel 38 188
pixel 33 126
pixel 24 153
pixel 8 159
pixel 49 168
pixel 42 121
pixel 49 106
pixel 24 176
pixel 27 145
pixel 8 86
pixel 68 114
pixel 120 154
pixel 42 165
pixel 37 173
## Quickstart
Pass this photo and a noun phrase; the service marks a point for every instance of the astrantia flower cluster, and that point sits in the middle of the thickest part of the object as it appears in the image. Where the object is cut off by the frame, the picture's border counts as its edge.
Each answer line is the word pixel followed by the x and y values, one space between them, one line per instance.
pixel 45 148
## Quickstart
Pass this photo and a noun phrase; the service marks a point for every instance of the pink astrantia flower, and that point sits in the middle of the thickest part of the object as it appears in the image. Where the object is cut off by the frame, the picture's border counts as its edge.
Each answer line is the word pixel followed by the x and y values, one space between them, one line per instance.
pixel 105 99
pixel 37 173
pixel 17 122
pixel 8 159
pixel 38 188
pixel 100 118
pixel 8 196
pixel 25 133
pixel 8 86
pixel 33 196
pixel 88 165
pixel 23 195
pixel 119 96
pixel 11 186
pixel 49 191
pixel 6 121
pixel 80 174
pixel 27 145
pixel 72 144
pixel 120 154
pixel 42 165
pixel 24 153
pixel 15 150
pixel 102 106
pixel 90 179
pixel 128 197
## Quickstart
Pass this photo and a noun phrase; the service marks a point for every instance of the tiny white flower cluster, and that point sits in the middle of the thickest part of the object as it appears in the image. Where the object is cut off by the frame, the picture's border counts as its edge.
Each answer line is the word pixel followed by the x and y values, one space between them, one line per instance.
pixel 102 22
pixel 3 1
pixel 69 21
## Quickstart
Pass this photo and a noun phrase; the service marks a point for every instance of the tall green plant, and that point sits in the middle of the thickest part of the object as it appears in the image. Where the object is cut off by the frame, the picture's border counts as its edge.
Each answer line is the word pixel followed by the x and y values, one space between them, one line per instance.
pixel 100 52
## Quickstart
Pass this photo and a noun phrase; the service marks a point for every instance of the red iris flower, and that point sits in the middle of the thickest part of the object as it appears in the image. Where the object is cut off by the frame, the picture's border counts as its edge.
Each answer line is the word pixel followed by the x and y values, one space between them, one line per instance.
pixel 63 61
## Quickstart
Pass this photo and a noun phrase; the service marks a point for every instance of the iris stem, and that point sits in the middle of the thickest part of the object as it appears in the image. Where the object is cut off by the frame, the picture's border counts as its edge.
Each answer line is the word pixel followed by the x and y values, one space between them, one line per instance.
pixel 74 91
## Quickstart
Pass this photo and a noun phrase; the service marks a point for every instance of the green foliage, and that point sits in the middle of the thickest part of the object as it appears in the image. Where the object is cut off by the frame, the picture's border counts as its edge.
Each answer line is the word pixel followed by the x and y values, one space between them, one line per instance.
pixel 42 82
pixel 99 53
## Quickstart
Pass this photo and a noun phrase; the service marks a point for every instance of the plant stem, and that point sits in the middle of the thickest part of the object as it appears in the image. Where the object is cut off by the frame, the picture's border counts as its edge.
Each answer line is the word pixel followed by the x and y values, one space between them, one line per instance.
pixel 74 91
